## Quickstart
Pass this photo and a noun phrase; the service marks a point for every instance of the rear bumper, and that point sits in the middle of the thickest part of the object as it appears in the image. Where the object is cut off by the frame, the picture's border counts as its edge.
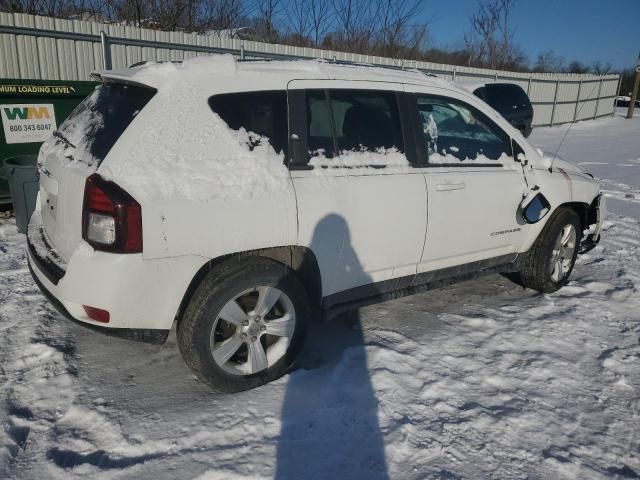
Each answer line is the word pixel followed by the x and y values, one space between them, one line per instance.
pixel 141 296
pixel 49 268
pixel 153 336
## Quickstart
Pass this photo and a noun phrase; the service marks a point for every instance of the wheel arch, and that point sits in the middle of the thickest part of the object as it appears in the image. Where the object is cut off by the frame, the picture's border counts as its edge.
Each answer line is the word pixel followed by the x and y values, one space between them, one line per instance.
pixel 299 259
pixel 585 212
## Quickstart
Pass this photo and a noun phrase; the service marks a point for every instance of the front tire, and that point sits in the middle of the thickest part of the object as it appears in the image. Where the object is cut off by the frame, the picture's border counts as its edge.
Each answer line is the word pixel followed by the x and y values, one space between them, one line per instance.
pixel 549 263
pixel 245 324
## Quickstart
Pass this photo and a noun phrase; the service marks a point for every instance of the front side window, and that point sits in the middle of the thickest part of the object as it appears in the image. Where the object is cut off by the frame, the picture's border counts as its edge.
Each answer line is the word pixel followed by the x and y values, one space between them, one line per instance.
pixel 263 114
pixel 455 132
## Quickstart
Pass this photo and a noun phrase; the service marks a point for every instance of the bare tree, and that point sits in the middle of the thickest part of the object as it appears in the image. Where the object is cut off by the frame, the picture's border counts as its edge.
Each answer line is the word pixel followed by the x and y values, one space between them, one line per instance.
pixel 548 62
pixel 53 8
pixel 266 17
pixel 398 35
pixel 299 22
pixel 356 23
pixel 222 15
pixel 577 67
pixel 598 68
pixel 308 21
pixel 491 40
pixel 320 15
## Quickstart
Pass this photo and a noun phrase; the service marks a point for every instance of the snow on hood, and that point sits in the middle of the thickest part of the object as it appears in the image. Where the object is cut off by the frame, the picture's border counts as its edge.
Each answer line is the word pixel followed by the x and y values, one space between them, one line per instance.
pixel 549 158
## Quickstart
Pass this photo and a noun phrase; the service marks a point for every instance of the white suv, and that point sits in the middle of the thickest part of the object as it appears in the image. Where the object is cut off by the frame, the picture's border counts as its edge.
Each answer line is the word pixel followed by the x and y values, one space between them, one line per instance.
pixel 243 199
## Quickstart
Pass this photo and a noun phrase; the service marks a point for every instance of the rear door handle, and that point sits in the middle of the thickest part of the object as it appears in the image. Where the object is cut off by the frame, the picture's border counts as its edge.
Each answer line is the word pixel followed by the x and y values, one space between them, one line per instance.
pixel 445 187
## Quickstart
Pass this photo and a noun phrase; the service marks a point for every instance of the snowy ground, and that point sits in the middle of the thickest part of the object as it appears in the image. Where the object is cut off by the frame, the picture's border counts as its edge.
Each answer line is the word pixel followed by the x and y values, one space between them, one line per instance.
pixel 478 380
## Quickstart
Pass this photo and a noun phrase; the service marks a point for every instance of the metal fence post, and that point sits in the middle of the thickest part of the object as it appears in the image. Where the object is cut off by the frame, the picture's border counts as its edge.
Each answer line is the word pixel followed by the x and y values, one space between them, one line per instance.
pixel 615 97
pixel 106 51
pixel 555 100
pixel 575 112
pixel 242 52
pixel 595 114
pixel 529 87
pixel 455 72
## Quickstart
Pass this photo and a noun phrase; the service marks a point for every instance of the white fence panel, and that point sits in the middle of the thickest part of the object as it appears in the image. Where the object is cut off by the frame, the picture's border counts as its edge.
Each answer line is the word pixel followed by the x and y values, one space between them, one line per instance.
pixel 34 47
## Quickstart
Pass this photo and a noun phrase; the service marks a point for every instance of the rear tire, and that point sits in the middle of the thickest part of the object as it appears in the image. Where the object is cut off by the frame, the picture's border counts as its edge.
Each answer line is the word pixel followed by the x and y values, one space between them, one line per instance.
pixel 550 261
pixel 245 324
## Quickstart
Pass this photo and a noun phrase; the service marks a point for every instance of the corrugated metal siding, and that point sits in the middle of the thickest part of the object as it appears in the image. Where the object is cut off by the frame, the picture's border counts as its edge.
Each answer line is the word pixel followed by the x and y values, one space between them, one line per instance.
pixel 37 55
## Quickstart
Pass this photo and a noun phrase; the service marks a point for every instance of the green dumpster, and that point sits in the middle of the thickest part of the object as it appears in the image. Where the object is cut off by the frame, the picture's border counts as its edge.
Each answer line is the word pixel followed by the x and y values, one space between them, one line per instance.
pixel 21 173
pixel 30 110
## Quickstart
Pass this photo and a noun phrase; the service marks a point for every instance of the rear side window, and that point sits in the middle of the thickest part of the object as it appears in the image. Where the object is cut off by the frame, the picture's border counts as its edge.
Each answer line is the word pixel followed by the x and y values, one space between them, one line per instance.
pixel 454 131
pixel 352 121
pixel 506 98
pixel 262 113
pixel 95 125
pixel 366 121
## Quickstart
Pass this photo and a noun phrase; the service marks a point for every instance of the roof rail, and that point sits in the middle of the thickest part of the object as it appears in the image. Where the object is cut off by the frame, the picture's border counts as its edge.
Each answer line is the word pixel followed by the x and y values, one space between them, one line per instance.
pixel 376 65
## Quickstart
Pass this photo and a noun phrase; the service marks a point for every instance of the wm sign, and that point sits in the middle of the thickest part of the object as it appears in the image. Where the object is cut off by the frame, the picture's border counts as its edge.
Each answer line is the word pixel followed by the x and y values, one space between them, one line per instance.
pixel 27 123
pixel 27 113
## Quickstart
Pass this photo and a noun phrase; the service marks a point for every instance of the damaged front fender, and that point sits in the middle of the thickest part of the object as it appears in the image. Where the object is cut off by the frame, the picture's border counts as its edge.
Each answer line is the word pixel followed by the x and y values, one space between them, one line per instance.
pixel 596 215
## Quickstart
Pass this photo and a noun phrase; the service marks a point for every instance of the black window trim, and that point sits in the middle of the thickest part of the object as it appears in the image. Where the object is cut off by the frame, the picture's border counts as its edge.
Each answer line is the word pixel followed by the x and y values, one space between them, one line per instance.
pixel 422 148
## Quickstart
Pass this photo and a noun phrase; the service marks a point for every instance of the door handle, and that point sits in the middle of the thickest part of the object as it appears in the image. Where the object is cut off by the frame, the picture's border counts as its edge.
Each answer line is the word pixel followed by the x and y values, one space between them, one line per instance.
pixel 445 187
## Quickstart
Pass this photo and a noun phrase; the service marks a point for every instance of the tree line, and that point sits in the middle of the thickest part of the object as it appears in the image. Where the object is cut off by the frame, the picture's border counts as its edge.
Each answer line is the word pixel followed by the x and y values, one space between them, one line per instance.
pixel 391 28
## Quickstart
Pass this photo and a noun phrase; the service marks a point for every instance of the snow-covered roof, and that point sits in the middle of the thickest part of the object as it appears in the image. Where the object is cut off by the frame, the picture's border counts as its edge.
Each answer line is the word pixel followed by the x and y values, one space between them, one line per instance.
pixel 265 74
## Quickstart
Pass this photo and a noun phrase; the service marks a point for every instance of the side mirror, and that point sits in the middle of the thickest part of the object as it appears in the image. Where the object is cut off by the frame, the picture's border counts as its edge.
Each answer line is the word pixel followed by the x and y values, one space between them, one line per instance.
pixel 522 159
pixel 519 154
pixel 534 207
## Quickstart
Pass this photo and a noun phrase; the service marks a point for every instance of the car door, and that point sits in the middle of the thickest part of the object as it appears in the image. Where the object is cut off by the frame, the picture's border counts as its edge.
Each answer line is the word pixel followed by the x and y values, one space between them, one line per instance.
pixel 473 182
pixel 360 209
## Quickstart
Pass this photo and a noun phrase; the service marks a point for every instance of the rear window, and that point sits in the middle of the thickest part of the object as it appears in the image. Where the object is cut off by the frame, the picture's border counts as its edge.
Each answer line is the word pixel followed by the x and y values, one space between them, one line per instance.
pixel 95 125
pixel 263 113
pixel 506 98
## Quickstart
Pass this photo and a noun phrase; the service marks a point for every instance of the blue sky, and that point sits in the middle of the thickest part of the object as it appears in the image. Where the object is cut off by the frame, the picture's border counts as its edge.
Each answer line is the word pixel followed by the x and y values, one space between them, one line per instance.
pixel 584 30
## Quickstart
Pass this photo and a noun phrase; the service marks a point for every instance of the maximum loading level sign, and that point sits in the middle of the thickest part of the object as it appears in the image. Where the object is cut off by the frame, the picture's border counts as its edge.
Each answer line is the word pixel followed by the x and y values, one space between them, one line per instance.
pixel 37 90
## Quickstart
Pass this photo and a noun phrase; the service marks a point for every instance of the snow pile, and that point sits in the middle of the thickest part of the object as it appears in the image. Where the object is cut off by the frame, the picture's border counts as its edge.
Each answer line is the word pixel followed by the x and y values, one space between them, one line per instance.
pixel 164 73
pixel 206 161
pixel 382 157
pixel 448 158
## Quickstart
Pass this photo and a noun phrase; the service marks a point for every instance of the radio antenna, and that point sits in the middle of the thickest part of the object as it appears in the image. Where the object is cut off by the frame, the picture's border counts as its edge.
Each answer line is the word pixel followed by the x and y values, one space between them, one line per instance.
pixel 555 155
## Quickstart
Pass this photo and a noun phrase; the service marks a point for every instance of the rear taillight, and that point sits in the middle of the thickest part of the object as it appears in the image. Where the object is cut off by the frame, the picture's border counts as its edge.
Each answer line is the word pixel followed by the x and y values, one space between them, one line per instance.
pixel 111 218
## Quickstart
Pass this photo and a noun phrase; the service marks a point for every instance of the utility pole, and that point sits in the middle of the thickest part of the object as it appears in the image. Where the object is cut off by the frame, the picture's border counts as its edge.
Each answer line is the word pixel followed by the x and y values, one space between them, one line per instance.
pixel 634 94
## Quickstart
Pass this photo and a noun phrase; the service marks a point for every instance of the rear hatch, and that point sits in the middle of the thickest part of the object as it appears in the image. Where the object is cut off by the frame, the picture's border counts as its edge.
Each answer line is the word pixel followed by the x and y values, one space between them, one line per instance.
pixel 75 151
